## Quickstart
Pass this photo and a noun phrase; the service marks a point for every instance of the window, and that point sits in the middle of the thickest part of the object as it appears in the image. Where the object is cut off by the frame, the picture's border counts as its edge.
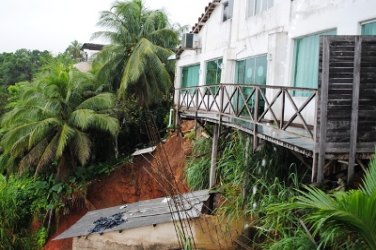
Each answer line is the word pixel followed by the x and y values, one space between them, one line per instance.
pixel 306 60
pixel 213 72
pixel 190 76
pixel 369 28
pixel 252 70
pixel 256 7
pixel 228 10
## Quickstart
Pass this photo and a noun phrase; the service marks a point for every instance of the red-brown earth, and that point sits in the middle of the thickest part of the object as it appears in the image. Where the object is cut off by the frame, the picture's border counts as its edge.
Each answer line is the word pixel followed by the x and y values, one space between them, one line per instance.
pixel 131 182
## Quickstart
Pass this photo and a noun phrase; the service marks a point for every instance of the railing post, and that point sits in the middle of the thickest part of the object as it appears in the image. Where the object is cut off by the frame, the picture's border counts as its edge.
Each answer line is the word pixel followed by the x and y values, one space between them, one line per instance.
pixel 178 101
pixel 197 96
pixel 354 110
pixel 255 118
pixel 281 121
pixel 314 153
pixel 323 109
pixel 238 88
pixel 221 100
pixel 177 122
pixel 207 93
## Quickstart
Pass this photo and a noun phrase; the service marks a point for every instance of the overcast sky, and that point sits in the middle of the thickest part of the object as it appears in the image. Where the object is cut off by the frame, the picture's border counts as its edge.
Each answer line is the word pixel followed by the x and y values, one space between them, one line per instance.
pixel 52 24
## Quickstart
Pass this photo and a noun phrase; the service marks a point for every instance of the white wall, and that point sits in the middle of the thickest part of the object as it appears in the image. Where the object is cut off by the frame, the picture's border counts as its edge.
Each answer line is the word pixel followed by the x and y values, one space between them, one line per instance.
pixel 272 32
pixel 208 231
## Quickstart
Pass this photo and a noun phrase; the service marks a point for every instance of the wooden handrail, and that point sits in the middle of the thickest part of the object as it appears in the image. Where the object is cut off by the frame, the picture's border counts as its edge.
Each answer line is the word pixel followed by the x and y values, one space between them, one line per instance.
pixel 232 100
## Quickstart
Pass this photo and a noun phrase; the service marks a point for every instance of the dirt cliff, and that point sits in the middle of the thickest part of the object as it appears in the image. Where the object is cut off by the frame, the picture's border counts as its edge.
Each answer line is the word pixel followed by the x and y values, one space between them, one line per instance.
pixel 130 182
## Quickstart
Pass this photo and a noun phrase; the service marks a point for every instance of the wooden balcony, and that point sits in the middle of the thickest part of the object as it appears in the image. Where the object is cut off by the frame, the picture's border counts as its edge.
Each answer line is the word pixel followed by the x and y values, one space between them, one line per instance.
pixel 337 121
pixel 271 113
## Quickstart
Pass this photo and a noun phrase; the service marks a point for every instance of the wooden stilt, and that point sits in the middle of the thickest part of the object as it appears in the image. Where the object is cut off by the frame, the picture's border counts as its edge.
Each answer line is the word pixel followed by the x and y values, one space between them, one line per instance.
pixel 323 110
pixel 214 156
pixel 354 111
pixel 247 153
pixel 314 167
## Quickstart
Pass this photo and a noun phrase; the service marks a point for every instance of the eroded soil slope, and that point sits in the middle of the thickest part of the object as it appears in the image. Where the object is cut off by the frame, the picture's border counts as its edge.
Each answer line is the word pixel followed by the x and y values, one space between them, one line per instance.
pixel 131 183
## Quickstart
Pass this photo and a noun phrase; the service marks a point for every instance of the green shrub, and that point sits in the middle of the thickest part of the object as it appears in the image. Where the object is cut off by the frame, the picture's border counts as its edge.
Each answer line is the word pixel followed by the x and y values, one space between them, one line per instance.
pixel 198 165
pixel 266 177
pixel 17 199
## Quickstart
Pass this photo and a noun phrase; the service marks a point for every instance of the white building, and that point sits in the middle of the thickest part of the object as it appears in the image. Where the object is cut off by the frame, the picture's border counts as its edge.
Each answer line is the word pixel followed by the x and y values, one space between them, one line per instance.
pixel 263 56
pixel 273 42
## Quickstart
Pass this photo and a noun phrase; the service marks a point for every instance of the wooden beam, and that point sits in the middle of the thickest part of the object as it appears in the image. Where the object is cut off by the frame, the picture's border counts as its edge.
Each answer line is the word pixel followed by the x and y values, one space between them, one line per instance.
pixel 314 166
pixel 323 108
pixel 214 156
pixel 246 183
pixel 355 109
pixel 255 113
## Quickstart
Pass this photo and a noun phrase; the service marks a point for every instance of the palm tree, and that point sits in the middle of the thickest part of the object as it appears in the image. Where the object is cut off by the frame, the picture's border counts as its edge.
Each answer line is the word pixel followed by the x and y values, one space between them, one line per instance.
pixel 136 61
pixel 51 118
pixel 342 214
pixel 74 50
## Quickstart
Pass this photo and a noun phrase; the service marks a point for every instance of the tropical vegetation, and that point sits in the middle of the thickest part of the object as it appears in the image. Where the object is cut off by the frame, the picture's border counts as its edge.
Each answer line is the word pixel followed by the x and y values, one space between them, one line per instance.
pixel 342 216
pixel 21 65
pixel 61 128
pixel 51 119
pixel 74 51
pixel 135 63
pixel 265 189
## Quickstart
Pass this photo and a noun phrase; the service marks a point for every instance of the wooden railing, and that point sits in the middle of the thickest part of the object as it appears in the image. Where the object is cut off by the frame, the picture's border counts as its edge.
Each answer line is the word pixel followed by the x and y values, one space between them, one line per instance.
pixel 284 108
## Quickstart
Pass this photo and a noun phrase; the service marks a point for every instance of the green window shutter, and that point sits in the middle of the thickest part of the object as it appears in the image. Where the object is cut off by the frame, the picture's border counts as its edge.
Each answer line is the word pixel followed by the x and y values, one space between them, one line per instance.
pixel 260 70
pixel 250 67
pixel 306 60
pixel 369 28
pixel 240 72
pixel 191 76
pixel 213 72
pixel 252 70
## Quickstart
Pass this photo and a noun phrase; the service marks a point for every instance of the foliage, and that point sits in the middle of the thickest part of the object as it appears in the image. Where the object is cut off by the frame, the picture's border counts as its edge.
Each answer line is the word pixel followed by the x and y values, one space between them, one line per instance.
pixel 342 215
pixel 74 51
pixel 50 120
pixel 136 61
pixel 18 197
pixel 3 100
pixel 24 200
pixel 198 165
pixel 21 65
pixel 133 118
pixel 251 183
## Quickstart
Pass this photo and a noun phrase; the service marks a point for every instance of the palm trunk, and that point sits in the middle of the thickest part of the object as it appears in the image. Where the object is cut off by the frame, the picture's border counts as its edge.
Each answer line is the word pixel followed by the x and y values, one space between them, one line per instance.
pixel 116 147
pixel 63 168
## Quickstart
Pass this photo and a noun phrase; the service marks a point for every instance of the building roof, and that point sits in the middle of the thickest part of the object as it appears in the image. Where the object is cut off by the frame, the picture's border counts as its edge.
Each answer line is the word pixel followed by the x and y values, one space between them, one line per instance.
pixel 92 46
pixel 205 16
pixel 201 20
pixel 140 214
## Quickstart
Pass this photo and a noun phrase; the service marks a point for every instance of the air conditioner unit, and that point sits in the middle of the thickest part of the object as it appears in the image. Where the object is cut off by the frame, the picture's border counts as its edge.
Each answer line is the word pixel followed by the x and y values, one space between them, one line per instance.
pixel 190 41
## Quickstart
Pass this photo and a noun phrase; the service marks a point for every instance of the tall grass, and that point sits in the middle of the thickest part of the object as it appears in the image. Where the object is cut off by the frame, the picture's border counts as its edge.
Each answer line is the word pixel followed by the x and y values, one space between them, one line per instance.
pixel 198 165
pixel 264 189
pixel 250 183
